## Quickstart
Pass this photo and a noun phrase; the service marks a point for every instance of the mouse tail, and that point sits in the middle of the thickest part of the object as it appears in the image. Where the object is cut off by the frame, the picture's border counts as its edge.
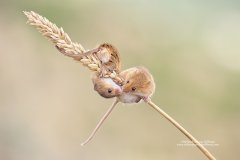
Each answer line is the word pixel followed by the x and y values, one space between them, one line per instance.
pixel 100 122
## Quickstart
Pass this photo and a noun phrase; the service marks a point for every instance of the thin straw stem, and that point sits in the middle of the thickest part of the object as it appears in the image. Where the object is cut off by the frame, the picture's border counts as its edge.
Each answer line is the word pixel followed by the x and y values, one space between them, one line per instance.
pixel 184 131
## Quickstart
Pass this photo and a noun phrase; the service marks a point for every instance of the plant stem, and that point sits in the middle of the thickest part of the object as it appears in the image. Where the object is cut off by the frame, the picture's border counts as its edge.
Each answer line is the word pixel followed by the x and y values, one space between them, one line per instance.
pixel 184 131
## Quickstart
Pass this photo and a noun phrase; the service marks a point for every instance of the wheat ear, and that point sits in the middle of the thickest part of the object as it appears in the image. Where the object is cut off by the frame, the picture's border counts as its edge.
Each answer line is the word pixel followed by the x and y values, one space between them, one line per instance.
pixel 64 44
pixel 184 131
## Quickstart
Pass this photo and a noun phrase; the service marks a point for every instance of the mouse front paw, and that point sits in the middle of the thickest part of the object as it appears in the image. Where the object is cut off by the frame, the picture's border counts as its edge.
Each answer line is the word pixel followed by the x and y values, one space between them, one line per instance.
pixel 103 72
pixel 146 99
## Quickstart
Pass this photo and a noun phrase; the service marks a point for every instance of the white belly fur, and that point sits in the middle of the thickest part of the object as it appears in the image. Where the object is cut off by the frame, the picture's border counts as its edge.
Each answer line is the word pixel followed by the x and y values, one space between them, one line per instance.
pixel 128 98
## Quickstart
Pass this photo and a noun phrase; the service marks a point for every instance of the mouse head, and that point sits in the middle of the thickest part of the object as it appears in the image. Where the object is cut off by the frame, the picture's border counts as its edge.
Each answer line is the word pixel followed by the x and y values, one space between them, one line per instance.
pixel 139 82
pixel 107 88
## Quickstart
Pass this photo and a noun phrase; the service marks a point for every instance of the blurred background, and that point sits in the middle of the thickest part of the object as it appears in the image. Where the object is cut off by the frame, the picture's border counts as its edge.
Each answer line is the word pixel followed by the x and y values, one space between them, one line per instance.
pixel 47 103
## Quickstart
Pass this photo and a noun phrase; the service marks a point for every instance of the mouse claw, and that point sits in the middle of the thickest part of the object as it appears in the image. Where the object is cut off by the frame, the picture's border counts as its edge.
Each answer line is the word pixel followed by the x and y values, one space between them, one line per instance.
pixel 60 49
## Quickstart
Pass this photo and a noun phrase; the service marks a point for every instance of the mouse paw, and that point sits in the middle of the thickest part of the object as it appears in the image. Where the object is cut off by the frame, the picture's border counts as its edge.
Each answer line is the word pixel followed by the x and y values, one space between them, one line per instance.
pixel 146 99
pixel 118 80
pixel 103 72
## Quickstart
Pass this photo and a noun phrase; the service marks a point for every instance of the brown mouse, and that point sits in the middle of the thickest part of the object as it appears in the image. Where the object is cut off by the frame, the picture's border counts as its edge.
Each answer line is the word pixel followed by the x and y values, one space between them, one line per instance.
pixel 138 84
pixel 106 53
pixel 106 87
pixel 108 56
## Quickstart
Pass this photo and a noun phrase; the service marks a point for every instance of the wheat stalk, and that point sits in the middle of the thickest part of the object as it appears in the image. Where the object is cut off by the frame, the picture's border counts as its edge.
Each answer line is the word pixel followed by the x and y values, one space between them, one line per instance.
pixel 184 131
pixel 75 50
pixel 65 45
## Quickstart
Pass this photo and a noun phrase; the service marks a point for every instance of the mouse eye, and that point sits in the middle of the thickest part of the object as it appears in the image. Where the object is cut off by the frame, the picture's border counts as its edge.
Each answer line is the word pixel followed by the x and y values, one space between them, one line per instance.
pixel 109 91
pixel 127 81
pixel 133 88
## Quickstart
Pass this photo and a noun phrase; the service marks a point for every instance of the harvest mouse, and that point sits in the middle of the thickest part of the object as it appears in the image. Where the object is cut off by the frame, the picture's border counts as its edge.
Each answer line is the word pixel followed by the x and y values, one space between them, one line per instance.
pixel 138 84
pixel 106 87
pixel 106 53
pixel 109 58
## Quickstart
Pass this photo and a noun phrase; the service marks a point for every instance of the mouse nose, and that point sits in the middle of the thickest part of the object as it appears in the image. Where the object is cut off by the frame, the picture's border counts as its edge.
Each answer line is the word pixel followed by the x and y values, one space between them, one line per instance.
pixel 118 91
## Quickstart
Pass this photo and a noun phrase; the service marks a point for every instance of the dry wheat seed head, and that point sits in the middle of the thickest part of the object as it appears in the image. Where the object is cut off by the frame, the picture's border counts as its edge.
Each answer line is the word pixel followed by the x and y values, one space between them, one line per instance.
pixel 61 40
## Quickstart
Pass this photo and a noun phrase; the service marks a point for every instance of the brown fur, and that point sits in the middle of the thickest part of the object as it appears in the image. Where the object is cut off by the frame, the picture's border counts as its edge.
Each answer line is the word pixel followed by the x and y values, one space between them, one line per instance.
pixel 102 87
pixel 113 63
pixel 140 79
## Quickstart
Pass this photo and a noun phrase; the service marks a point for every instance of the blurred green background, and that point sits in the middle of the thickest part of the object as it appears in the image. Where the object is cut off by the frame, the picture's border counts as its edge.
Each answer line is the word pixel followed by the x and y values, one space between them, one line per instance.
pixel 47 103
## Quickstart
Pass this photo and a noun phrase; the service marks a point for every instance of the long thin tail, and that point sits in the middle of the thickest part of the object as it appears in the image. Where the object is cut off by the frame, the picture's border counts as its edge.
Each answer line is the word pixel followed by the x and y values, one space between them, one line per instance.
pixel 100 122
pixel 185 132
